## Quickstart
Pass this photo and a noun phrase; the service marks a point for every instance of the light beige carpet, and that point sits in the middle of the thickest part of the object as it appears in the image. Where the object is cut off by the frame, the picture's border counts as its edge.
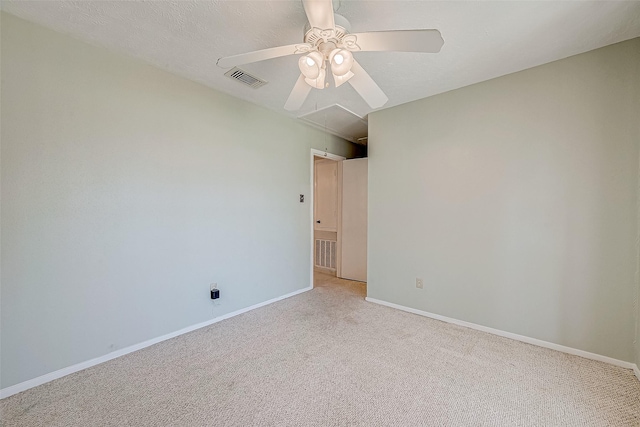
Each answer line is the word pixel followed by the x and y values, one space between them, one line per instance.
pixel 328 358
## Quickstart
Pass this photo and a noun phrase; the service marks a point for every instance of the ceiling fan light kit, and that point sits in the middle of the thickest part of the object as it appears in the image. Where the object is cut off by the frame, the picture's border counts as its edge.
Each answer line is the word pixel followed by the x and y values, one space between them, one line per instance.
pixel 311 65
pixel 327 40
pixel 318 82
pixel 339 80
pixel 341 61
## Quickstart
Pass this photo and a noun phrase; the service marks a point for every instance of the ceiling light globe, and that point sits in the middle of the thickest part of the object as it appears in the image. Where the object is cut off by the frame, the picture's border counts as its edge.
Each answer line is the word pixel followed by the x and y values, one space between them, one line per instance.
pixel 341 61
pixel 311 64
pixel 319 82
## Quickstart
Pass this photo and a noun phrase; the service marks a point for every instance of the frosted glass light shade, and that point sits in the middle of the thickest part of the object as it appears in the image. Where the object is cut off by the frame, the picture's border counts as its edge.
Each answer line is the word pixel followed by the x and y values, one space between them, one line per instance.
pixel 318 82
pixel 341 61
pixel 311 65
pixel 342 79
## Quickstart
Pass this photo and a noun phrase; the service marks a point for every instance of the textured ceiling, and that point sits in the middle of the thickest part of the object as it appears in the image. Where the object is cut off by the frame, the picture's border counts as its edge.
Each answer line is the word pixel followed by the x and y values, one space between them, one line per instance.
pixel 483 39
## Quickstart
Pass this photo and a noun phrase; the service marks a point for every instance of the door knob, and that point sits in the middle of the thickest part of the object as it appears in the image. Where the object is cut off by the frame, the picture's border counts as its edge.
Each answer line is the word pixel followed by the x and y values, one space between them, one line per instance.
pixel 318 221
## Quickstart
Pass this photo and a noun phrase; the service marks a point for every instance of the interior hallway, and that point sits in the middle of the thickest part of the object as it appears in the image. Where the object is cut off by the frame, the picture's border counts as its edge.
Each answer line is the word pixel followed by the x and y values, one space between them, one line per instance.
pixel 328 358
pixel 352 287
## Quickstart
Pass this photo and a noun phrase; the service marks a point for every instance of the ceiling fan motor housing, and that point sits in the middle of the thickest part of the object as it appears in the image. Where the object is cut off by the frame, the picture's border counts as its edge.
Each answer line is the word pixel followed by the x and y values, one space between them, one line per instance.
pixel 342 24
pixel 327 39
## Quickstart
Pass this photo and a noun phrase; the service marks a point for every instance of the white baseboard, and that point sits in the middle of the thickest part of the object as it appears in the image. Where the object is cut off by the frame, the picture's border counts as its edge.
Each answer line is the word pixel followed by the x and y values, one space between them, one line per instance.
pixel 513 336
pixel 17 388
pixel 636 371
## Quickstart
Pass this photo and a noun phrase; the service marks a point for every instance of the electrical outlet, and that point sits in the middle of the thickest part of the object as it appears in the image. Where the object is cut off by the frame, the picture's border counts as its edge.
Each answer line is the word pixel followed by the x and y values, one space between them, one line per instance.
pixel 419 283
pixel 214 302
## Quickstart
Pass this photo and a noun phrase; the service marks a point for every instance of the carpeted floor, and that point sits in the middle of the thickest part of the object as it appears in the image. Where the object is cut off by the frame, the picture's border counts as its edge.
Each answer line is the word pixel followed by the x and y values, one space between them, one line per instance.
pixel 328 358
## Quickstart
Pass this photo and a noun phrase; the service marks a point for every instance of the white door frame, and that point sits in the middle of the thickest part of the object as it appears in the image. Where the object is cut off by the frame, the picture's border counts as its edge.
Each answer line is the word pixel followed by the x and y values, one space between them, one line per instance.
pixel 325 155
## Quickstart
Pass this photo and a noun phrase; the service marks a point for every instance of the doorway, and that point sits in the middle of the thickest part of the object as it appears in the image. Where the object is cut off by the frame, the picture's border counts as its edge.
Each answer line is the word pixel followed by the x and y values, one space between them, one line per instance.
pixel 326 214
pixel 338 214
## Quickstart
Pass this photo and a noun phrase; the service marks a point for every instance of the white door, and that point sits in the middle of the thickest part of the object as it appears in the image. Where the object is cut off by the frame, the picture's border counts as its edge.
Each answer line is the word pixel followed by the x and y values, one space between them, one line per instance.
pixel 354 219
pixel 326 196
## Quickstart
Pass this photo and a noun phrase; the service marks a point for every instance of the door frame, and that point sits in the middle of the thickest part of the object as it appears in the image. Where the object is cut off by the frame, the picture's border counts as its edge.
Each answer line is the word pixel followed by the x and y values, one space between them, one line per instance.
pixel 325 155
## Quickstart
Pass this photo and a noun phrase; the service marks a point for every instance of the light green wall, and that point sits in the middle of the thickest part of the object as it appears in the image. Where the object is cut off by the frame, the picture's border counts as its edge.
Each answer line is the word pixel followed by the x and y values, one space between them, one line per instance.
pixel 515 200
pixel 126 191
pixel 637 296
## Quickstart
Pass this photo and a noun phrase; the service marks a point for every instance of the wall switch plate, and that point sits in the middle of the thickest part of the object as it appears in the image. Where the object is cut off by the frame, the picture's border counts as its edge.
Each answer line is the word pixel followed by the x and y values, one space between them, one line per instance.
pixel 419 283
pixel 302 198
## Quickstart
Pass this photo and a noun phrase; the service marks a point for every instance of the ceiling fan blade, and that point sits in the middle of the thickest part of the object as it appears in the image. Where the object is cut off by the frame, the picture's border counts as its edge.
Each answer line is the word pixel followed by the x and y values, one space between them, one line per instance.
pixel 258 55
pixel 319 13
pixel 298 95
pixel 427 41
pixel 366 87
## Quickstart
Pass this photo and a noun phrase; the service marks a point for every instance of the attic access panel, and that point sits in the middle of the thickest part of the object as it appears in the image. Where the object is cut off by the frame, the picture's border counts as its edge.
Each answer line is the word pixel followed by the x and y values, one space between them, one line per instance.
pixel 339 121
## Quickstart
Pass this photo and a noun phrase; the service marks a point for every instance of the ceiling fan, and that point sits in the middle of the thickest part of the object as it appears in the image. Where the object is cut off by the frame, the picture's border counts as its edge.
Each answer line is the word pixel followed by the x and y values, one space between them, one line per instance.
pixel 327 40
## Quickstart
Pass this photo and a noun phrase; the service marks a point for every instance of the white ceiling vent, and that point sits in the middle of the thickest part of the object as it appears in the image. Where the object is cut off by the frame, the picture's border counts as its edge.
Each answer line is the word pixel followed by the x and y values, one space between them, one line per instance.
pixel 339 121
pixel 244 77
